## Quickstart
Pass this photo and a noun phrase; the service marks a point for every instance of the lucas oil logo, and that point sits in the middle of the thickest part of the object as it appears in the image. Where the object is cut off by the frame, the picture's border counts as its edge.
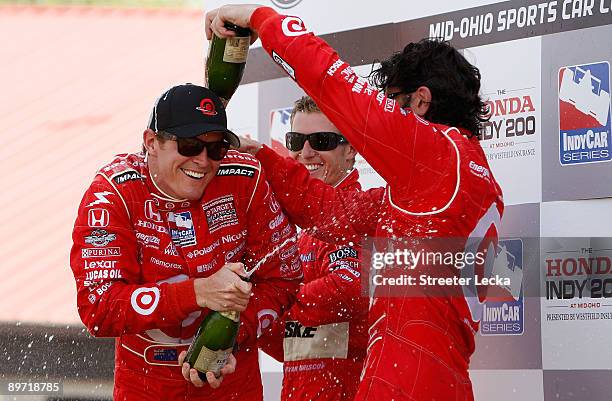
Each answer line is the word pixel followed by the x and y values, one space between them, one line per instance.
pixel 183 233
pixel 506 317
pixel 584 114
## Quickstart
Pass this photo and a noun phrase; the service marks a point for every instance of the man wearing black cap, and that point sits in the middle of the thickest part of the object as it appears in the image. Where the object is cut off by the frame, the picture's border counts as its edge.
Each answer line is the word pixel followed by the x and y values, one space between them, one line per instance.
pixel 164 236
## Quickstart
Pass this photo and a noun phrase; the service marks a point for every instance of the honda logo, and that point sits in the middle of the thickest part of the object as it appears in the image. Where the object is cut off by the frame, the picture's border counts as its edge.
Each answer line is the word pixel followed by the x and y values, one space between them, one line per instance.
pixel 98 218
pixel 150 213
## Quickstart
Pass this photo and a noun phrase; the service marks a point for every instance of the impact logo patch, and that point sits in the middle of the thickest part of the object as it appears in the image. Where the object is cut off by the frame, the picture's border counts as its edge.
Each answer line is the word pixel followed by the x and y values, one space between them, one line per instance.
pixel 584 114
pixel 506 317
pixel 220 213
pixel 245 171
pixel 183 233
pixel 130 175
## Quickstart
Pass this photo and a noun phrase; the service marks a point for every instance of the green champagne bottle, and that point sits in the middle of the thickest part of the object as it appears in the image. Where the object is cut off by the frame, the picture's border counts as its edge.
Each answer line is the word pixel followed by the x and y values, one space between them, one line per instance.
pixel 213 342
pixel 226 61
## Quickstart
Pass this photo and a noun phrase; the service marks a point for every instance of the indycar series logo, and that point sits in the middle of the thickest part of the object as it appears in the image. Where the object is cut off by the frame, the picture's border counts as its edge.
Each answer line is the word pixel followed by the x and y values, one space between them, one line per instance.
pixel 507 317
pixel 584 114
pixel 183 233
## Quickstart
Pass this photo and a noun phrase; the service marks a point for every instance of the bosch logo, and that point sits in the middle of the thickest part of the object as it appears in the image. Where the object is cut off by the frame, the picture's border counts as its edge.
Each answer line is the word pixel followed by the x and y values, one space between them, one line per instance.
pixel 286 3
pixel 293 26
pixel 144 300
pixel 207 107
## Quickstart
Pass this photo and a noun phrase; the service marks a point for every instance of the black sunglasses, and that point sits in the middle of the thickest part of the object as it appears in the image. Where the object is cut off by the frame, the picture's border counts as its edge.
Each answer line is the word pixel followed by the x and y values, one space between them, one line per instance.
pixel 190 147
pixel 319 141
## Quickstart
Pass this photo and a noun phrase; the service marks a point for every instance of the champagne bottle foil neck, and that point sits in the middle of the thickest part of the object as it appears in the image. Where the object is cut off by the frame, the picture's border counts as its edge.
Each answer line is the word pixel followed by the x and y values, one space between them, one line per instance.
pixel 240 31
pixel 232 315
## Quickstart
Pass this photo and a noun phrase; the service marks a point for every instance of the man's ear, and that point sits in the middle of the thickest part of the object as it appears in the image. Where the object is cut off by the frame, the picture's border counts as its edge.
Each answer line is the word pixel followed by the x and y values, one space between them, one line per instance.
pixel 421 99
pixel 350 152
pixel 148 140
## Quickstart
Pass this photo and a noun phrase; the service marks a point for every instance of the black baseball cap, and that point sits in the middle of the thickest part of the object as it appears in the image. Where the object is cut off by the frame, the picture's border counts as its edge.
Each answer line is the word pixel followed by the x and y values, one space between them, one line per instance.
pixel 190 110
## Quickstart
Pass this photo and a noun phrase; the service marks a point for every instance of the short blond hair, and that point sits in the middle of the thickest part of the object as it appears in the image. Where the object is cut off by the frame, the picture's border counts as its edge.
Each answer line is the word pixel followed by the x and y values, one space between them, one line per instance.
pixel 305 104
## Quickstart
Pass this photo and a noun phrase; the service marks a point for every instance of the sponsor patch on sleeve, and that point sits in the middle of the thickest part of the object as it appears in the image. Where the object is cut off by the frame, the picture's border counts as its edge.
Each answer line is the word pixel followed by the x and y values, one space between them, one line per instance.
pixel 342 253
pixel 124 176
pixel 236 170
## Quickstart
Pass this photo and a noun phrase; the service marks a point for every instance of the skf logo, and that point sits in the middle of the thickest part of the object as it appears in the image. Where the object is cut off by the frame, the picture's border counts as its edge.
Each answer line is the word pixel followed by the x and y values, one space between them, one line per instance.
pixel 584 114
pixel 293 26
pixel 295 329
pixel 207 107
pixel 98 218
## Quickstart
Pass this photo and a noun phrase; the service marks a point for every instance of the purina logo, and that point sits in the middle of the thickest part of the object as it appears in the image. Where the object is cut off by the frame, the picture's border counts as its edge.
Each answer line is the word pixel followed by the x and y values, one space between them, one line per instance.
pixel 584 114
pixel 506 317
pixel 286 3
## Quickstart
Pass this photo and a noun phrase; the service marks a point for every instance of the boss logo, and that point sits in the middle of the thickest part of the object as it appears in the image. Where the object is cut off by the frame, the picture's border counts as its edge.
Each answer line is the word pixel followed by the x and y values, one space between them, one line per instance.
pixel 343 253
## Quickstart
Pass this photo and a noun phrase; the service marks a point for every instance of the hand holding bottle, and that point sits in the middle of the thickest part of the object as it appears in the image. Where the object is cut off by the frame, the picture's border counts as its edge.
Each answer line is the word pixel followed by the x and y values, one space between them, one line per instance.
pixel 224 290
pixel 234 14
pixel 193 376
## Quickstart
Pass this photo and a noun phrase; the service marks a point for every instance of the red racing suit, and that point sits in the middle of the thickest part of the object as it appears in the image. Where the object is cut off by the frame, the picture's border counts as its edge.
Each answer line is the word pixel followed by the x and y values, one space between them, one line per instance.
pixel 439 185
pixel 136 253
pixel 322 339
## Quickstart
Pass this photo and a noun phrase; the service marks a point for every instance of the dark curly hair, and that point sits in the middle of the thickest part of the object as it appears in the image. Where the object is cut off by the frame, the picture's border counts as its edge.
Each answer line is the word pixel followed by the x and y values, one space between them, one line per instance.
pixel 454 82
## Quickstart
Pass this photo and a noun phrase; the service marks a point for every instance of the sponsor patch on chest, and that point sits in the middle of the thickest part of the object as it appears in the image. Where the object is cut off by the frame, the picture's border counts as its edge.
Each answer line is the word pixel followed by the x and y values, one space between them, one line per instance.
pixel 220 213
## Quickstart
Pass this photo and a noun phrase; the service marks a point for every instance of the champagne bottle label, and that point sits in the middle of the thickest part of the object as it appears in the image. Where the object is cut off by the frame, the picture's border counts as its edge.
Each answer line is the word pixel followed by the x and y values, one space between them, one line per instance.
pixel 236 50
pixel 232 315
pixel 211 361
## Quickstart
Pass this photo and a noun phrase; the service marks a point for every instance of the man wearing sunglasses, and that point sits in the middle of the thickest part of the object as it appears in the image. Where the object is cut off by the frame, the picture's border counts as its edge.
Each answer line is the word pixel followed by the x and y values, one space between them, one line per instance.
pixel 322 338
pixel 165 236
pixel 419 130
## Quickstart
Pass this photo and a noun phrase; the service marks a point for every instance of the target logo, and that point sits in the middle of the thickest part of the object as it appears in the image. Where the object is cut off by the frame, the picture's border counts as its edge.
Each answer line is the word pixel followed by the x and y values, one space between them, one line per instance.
pixel 293 26
pixel 265 317
pixel 144 300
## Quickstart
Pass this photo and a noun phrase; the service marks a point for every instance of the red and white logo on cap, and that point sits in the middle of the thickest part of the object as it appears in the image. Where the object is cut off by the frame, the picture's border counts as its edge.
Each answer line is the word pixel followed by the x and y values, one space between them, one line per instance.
pixel 293 26
pixel 207 107
pixel 144 300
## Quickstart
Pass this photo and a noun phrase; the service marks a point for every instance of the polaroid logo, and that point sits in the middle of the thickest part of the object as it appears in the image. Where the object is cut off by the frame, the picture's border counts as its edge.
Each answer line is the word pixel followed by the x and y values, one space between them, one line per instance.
pixel 204 251
pixel 584 114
